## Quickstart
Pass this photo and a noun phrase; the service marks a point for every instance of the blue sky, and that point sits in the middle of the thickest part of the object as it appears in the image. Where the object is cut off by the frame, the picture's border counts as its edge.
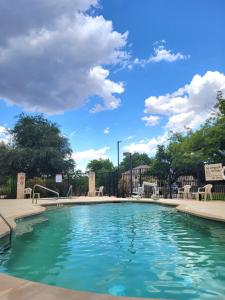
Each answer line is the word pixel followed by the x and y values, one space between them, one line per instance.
pixel 133 71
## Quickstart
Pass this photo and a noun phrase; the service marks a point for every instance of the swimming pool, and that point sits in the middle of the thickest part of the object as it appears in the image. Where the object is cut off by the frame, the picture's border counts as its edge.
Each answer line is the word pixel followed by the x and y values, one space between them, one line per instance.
pixel 131 249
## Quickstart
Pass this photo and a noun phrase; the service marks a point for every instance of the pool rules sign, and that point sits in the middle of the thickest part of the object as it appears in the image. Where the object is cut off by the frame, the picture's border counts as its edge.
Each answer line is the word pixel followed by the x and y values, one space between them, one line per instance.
pixel 214 172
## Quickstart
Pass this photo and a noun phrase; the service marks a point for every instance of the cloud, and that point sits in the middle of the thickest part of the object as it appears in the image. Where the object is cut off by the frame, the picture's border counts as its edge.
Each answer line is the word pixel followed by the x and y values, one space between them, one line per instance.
pixel 83 157
pixel 148 145
pixel 106 130
pixel 160 53
pixel 189 106
pixel 151 120
pixel 129 137
pixel 72 134
pixel 5 136
pixel 163 54
pixel 52 55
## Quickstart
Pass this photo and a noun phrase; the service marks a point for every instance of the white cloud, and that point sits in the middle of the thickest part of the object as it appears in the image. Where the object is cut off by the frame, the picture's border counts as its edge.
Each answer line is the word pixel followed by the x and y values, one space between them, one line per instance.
pixel 83 157
pixel 151 120
pixel 148 145
pixel 129 137
pixel 52 53
pixel 163 54
pixel 191 105
pixel 72 134
pixel 160 53
pixel 5 136
pixel 106 130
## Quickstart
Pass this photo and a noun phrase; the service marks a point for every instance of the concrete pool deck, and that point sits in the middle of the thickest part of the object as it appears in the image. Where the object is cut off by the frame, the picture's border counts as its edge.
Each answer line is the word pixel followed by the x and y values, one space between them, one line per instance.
pixel 19 289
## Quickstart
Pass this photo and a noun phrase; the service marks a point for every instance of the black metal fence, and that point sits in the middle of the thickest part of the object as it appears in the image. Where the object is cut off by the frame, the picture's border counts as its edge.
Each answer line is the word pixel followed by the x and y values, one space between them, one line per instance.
pixel 8 187
pixel 79 186
pixel 127 183
pixel 124 184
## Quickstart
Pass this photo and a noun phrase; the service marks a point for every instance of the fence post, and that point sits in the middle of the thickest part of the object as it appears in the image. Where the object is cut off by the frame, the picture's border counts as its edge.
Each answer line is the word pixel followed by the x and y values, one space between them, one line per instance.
pixel 21 177
pixel 91 184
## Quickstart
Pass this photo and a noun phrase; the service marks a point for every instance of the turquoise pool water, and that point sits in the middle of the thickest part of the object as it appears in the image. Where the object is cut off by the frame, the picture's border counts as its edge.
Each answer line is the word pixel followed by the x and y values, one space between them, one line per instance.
pixel 128 249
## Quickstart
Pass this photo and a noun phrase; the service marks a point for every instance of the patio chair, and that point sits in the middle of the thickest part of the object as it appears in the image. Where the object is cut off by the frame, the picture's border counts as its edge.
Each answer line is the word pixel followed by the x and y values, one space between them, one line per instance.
pixel 99 191
pixel 153 186
pixel 185 191
pixel 27 191
pixel 205 190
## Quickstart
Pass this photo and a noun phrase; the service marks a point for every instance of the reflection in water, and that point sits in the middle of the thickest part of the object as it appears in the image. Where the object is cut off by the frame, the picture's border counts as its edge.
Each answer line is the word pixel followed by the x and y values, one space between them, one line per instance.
pixel 123 249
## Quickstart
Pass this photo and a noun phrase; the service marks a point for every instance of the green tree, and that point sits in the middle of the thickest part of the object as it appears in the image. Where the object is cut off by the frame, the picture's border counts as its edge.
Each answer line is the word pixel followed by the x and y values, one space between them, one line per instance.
pixel 39 148
pixel 220 105
pixel 100 165
pixel 160 166
pixel 138 159
pixel 102 168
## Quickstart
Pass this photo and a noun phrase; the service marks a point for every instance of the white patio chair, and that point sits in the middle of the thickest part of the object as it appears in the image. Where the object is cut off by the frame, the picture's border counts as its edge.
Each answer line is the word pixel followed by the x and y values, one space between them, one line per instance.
pixel 99 191
pixel 205 190
pixel 155 189
pixel 185 191
pixel 27 191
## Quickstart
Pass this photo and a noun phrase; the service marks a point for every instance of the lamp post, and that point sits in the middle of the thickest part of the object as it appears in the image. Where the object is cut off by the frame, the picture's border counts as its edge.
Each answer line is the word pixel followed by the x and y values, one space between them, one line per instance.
pixel 128 154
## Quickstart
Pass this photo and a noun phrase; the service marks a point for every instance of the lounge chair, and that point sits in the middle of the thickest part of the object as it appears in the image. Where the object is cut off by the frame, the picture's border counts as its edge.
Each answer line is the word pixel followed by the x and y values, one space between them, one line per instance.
pixel 99 191
pixel 185 191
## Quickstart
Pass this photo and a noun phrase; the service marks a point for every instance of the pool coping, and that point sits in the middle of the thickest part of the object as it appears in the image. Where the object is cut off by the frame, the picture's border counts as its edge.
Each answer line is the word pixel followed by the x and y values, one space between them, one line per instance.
pixel 20 289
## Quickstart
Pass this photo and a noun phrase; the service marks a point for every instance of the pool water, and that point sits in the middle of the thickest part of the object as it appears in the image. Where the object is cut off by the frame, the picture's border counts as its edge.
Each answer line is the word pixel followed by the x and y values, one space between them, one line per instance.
pixel 127 249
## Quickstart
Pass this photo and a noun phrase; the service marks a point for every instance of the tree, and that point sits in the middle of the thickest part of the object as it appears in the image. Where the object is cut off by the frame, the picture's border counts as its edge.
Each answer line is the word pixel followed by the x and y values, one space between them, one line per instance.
pixel 39 148
pixel 220 103
pixel 100 165
pixel 138 159
pixel 161 163
pixel 103 169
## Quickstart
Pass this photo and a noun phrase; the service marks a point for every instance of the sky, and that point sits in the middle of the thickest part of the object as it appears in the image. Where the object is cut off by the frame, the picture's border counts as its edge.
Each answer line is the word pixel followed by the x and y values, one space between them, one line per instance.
pixel 106 71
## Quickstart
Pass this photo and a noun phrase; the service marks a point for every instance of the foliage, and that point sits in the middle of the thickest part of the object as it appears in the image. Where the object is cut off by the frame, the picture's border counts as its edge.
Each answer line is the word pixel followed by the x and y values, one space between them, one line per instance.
pixel 80 183
pixel 160 166
pixel 38 148
pixel 137 159
pixel 102 168
pixel 220 105
pixel 100 165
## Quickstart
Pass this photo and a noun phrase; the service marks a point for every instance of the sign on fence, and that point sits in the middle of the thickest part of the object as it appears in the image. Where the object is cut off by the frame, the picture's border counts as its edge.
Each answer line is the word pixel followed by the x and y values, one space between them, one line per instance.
pixel 58 178
pixel 214 172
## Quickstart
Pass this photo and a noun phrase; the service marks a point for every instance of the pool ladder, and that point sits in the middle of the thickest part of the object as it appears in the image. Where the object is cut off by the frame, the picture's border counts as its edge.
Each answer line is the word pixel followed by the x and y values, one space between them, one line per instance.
pixel 10 230
pixel 44 188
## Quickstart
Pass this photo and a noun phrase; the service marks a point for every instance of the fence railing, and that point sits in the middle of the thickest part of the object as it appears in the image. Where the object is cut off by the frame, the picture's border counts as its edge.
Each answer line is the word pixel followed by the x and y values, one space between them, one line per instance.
pixel 128 183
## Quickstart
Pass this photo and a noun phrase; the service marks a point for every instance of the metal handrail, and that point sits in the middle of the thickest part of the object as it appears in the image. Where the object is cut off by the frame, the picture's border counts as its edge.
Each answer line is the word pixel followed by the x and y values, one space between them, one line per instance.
pixel 10 229
pixel 45 188
pixel 70 192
